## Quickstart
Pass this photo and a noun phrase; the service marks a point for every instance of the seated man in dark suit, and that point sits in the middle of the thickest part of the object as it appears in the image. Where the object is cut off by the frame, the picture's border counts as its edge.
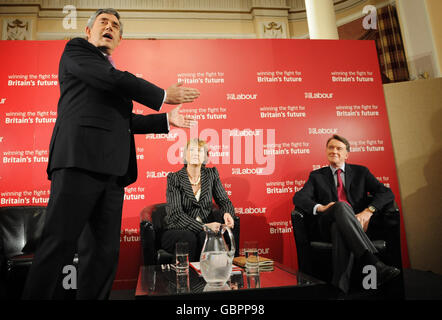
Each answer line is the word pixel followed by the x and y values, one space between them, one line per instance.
pixel 338 194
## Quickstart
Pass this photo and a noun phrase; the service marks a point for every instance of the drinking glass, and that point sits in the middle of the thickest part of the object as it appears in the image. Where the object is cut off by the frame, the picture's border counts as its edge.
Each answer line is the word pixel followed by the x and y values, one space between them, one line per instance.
pixel 182 258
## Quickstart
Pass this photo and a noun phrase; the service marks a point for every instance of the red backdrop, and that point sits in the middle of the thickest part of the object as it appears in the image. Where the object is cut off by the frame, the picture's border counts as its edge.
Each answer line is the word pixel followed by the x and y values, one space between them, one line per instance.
pixel 266 109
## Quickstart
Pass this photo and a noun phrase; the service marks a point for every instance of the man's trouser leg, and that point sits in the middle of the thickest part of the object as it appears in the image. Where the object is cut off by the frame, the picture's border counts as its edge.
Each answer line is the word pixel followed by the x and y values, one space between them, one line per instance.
pixel 99 245
pixel 74 197
pixel 340 226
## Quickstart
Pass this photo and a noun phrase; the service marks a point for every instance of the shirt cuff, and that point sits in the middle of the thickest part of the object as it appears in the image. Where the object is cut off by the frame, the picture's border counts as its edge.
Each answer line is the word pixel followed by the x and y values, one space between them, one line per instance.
pixel 164 99
pixel 315 208
pixel 167 115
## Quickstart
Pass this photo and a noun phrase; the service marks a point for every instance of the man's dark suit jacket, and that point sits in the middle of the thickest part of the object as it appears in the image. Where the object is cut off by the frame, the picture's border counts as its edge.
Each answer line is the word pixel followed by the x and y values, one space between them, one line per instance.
pixel 183 208
pixel 359 182
pixel 95 124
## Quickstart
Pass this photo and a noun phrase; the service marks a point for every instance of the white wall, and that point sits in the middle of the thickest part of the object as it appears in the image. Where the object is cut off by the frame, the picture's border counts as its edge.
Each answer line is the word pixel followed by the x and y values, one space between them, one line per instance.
pixel 415 116
pixel 417 37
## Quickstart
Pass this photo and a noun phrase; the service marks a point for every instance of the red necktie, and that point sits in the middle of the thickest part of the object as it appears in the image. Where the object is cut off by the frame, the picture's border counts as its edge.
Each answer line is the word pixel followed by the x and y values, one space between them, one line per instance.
pixel 342 196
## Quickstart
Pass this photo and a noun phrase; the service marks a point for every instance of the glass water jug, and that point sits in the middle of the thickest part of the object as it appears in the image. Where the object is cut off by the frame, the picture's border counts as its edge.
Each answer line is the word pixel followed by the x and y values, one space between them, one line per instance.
pixel 216 258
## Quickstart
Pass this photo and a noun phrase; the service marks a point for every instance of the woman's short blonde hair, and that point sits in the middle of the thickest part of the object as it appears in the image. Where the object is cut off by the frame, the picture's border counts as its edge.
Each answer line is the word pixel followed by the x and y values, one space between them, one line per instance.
pixel 201 144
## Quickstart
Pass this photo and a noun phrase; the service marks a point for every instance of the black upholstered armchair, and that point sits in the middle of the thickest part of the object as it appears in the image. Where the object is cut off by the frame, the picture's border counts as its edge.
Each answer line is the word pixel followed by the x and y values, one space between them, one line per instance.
pixel 314 255
pixel 20 231
pixel 151 228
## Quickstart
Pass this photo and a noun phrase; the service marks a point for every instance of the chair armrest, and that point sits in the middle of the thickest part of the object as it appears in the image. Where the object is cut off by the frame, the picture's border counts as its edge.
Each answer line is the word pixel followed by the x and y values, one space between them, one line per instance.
pixel 303 248
pixel 148 249
pixel 385 225
pixel 236 233
pixel 299 229
pixel 391 213
pixel 388 218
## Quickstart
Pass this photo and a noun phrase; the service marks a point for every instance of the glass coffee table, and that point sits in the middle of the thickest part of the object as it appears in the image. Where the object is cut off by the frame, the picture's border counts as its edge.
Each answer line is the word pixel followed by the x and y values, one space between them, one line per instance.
pixel 160 282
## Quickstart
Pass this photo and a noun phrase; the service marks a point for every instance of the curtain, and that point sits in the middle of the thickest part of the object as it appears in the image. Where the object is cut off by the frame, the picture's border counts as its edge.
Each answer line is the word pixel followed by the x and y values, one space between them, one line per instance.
pixel 389 44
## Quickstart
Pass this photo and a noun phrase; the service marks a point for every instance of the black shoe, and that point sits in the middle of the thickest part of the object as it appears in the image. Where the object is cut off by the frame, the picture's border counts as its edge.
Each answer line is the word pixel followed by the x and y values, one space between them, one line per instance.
pixel 385 273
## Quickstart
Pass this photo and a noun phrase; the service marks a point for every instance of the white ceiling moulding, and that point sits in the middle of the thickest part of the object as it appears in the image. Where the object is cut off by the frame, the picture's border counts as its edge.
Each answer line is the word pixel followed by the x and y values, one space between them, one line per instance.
pixel 294 6
pixel 140 15
pixel 297 7
pixel 268 4
pixel 152 5
pixel 59 35
pixel 164 36
pixel 159 36
pixel 304 36
pixel 176 9
pixel 20 2
pixel 25 9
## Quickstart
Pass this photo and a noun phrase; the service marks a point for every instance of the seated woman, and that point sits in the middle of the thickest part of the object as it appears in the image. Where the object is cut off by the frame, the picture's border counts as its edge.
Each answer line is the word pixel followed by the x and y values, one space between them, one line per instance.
pixel 189 197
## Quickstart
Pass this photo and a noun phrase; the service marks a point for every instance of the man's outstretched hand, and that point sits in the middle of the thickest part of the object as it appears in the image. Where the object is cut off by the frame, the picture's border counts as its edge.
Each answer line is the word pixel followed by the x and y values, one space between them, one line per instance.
pixel 177 94
pixel 178 120
pixel 322 208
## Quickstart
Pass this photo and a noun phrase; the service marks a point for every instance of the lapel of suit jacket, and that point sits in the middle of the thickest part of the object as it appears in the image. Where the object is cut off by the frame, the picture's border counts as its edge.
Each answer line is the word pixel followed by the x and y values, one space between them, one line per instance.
pixel 348 181
pixel 96 50
pixel 204 182
pixel 331 182
pixel 185 182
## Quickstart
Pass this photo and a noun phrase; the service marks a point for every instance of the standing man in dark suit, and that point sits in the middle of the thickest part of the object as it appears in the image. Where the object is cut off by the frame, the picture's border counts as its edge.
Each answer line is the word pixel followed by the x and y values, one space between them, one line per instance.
pixel 338 194
pixel 92 158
